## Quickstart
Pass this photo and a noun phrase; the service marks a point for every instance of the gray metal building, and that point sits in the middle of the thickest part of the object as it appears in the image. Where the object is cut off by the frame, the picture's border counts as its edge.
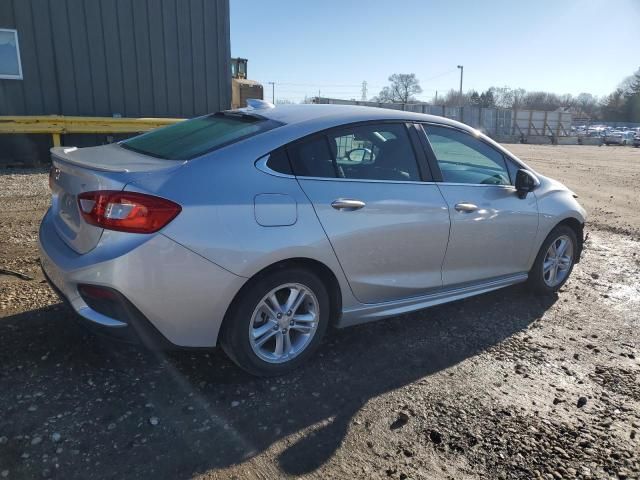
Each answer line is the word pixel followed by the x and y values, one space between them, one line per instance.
pixel 129 58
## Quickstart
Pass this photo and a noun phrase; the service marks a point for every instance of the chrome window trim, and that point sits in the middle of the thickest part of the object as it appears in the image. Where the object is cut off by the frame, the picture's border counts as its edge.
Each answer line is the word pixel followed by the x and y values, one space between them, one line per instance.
pixel 364 180
pixel 454 184
pixel 261 164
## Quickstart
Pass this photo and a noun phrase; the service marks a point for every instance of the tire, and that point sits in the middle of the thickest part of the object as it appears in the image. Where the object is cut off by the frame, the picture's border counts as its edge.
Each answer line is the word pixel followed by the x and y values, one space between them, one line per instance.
pixel 248 314
pixel 541 281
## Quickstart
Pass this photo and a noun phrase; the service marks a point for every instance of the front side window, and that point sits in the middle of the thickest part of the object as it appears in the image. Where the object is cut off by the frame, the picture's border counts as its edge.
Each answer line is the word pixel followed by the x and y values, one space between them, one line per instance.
pixel 365 152
pixel 10 67
pixel 465 159
pixel 192 138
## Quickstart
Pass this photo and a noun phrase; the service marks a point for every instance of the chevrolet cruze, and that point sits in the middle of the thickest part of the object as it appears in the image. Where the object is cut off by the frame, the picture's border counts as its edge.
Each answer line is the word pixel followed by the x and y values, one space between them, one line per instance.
pixel 257 229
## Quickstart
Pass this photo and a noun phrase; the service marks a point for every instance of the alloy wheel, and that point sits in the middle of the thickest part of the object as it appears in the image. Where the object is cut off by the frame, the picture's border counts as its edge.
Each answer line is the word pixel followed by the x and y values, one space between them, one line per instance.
pixel 557 261
pixel 284 323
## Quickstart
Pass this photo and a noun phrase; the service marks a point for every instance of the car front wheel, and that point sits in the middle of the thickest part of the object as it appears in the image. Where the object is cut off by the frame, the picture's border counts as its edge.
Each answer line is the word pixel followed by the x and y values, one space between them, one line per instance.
pixel 555 260
pixel 277 322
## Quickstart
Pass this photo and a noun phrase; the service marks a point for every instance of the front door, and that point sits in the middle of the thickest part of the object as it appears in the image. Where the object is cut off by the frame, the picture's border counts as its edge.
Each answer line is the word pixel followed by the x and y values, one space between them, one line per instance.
pixel 388 227
pixel 492 230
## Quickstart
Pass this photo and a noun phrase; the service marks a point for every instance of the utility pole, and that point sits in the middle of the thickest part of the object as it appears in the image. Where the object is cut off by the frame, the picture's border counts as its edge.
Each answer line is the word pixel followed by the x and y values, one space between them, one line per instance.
pixel 461 72
pixel 364 91
pixel 435 102
pixel 273 92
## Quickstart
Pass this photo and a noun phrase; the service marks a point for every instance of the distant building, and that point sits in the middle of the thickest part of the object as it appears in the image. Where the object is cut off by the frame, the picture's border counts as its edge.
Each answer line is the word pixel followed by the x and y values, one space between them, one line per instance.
pixel 142 58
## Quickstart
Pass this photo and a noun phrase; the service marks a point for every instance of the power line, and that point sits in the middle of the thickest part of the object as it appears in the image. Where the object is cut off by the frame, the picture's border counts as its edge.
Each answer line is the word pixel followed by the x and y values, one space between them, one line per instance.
pixel 440 75
pixel 321 84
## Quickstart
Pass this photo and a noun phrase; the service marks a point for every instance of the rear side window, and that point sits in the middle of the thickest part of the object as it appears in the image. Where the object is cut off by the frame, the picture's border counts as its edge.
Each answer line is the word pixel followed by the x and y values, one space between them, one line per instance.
pixel 313 158
pixel 359 152
pixel 192 138
pixel 279 162
pixel 375 152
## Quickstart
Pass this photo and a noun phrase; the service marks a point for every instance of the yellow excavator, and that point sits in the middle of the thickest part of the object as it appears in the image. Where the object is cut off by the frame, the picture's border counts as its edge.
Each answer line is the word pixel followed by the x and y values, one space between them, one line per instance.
pixel 241 87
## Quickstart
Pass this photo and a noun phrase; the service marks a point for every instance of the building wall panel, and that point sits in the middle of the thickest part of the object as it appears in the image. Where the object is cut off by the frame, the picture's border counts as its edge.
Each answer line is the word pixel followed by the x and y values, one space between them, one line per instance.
pixel 118 57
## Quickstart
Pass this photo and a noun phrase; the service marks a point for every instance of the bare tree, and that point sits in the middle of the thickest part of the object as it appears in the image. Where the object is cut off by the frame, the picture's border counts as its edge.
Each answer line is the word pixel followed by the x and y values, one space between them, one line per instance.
pixel 588 104
pixel 453 99
pixel 507 97
pixel 403 88
pixel 626 85
pixel 567 101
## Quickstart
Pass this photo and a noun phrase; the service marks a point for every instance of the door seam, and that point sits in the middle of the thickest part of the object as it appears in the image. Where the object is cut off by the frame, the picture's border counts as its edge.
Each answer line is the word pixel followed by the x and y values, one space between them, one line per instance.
pixel 446 250
pixel 328 239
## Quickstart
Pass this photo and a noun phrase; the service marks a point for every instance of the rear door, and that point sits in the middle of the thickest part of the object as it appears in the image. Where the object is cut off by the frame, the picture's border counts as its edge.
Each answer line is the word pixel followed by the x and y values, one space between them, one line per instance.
pixel 387 222
pixel 492 230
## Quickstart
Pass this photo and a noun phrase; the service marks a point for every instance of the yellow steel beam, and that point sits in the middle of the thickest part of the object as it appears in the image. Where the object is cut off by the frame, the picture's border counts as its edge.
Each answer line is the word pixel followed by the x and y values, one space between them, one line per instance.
pixel 58 124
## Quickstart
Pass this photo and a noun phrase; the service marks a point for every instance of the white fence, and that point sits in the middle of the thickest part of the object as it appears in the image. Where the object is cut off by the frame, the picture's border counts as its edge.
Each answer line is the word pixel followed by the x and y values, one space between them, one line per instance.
pixel 496 122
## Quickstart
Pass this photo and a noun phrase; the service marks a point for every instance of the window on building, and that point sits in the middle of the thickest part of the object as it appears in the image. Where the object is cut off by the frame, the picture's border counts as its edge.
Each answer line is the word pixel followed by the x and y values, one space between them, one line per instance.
pixel 10 66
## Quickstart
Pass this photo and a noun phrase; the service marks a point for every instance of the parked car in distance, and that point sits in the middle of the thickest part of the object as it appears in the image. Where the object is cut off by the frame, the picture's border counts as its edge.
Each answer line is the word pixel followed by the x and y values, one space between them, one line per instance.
pixel 636 140
pixel 256 229
pixel 618 137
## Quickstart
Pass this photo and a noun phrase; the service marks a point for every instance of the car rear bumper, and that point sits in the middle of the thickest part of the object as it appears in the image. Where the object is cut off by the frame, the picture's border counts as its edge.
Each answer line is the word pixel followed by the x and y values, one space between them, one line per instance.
pixel 165 294
pixel 136 328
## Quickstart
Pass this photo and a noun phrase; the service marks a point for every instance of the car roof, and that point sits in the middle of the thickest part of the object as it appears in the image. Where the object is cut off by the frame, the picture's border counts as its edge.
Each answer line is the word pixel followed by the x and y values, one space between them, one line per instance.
pixel 342 114
pixel 302 120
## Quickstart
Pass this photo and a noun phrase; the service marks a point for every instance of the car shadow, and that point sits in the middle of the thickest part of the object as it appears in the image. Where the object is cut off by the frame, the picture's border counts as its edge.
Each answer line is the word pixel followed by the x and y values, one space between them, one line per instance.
pixel 173 415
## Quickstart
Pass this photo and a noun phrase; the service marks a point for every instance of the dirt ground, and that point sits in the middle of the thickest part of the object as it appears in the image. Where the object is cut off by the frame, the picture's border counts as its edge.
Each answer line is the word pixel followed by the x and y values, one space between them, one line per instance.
pixel 504 385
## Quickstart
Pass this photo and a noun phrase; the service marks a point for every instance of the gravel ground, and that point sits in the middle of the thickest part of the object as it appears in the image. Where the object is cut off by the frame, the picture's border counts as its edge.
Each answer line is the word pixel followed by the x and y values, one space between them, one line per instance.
pixel 504 385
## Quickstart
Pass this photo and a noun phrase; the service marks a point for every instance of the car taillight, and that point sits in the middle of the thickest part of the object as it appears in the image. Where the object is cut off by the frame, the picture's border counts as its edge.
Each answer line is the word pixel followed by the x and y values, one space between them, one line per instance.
pixel 127 211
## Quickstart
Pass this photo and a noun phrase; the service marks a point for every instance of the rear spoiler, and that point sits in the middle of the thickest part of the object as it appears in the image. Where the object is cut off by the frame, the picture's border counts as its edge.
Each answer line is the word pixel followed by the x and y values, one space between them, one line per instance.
pixel 111 158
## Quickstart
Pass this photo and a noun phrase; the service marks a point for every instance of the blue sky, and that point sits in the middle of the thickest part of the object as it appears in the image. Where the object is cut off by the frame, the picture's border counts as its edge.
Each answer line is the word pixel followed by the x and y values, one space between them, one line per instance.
pixel 562 46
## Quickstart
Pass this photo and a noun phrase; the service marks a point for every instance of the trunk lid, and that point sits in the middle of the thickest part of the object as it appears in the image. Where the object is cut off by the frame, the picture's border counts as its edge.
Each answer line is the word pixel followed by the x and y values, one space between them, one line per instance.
pixel 75 170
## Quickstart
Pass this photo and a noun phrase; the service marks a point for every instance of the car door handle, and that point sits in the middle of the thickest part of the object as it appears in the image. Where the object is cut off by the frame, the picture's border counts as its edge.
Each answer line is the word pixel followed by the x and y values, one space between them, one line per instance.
pixel 466 207
pixel 347 204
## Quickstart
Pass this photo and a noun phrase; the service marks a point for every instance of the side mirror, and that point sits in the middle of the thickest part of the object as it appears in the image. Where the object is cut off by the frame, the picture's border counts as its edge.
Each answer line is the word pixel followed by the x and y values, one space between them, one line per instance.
pixel 525 182
pixel 358 155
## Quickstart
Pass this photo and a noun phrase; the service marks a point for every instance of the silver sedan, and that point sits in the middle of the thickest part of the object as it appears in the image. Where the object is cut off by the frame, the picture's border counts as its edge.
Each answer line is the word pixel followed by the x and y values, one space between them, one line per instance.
pixel 256 229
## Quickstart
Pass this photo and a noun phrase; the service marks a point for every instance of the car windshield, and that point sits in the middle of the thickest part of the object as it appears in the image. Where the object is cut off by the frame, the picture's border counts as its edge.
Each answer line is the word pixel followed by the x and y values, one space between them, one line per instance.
pixel 192 138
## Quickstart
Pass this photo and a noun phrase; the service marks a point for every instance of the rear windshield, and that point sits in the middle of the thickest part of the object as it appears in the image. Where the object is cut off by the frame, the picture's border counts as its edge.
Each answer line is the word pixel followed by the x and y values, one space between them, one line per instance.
pixel 195 137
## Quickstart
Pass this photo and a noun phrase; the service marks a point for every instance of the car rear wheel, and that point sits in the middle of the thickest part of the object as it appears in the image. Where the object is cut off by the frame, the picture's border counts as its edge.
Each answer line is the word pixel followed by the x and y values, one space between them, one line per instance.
pixel 555 261
pixel 277 322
